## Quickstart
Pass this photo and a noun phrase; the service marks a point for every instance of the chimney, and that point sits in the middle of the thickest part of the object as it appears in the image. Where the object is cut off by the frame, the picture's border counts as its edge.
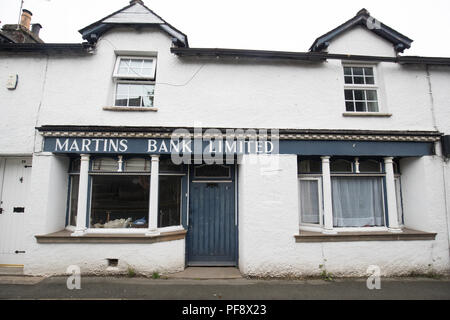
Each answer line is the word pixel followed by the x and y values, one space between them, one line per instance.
pixel 25 19
pixel 35 28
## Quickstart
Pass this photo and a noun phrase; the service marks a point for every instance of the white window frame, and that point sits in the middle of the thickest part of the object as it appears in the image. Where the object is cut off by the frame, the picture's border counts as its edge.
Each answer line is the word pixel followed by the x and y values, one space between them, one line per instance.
pixel 116 74
pixel 317 178
pixel 118 81
pixel 374 86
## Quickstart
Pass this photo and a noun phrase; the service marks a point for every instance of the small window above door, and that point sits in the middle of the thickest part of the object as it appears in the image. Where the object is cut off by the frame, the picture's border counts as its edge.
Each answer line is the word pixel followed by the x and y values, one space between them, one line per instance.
pixel 212 171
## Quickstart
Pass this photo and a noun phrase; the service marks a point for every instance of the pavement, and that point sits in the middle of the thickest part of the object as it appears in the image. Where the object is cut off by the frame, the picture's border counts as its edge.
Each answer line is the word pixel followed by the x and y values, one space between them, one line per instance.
pixel 222 289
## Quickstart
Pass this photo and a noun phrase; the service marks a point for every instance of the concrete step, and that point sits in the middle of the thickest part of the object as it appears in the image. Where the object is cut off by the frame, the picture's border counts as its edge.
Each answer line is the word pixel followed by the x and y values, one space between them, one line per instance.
pixel 207 273
pixel 11 270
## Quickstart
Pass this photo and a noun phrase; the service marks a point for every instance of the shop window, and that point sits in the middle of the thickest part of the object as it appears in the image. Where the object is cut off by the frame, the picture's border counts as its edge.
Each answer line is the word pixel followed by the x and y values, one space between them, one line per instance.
pixel 357 201
pixel 169 213
pixel 310 201
pixel 134 78
pixel 360 90
pixel 119 201
pixel 120 198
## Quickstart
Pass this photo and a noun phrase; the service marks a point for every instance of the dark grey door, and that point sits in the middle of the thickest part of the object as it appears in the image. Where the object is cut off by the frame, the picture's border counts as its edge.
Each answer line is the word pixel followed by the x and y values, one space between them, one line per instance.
pixel 212 236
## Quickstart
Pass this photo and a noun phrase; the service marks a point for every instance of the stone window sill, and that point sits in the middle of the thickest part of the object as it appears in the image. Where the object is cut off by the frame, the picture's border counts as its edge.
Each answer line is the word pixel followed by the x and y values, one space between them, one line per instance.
pixel 367 114
pixel 406 235
pixel 130 109
pixel 64 236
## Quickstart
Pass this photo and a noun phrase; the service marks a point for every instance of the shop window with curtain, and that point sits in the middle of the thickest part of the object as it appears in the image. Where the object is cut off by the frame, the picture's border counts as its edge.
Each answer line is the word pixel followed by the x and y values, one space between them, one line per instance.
pixel 357 193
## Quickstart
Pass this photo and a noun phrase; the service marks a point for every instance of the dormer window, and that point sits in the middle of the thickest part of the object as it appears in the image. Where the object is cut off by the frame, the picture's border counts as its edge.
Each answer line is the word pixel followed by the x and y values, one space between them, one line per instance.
pixel 134 77
pixel 360 89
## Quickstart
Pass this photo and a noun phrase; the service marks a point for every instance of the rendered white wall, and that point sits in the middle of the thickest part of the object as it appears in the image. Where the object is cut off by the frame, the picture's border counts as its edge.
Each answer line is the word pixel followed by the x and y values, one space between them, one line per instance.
pixel 360 41
pixel 225 92
pixel 268 221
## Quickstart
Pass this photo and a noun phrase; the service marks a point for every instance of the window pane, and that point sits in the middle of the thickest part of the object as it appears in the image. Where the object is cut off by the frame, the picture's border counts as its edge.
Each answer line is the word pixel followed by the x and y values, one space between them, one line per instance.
pixel 340 165
pixel 166 165
pixel 309 201
pixel 369 166
pixel 348 80
pixel 137 165
pixel 121 101
pixel 358 80
pixel 372 106
pixel 370 80
pixel 120 201
pixel 105 164
pixel 347 71
pixel 360 106
pixel 122 89
pixel 348 94
pixel 398 195
pixel 212 171
pixel 357 71
pixel 75 165
pixel 359 94
pixel 169 201
pixel 310 166
pixel 74 185
pixel 368 71
pixel 371 95
pixel 349 106
pixel 357 201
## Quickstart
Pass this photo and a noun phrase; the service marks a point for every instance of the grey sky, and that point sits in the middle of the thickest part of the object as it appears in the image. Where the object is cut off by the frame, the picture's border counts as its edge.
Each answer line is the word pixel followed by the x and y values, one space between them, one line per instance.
pixel 251 24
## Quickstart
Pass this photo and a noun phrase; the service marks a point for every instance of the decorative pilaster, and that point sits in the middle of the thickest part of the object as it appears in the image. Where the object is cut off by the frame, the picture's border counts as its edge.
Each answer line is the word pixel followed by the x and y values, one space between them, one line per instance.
pixel 153 206
pixel 82 197
pixel 390 196
pixel 327 201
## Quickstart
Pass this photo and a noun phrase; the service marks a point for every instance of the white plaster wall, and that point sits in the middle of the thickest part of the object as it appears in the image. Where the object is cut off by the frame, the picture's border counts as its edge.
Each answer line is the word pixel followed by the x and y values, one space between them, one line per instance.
pixel 19 107
pixel 51 259
pixel 360 41
pixel 268 221
pixel 225 92
pixel 48 213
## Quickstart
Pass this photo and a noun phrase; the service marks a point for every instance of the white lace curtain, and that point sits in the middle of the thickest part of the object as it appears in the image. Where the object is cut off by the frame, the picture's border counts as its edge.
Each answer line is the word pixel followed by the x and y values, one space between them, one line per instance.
pixel 357 201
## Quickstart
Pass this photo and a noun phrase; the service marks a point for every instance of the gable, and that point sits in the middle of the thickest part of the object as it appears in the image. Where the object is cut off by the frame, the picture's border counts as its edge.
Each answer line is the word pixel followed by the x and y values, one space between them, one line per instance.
pixel 360 41
pixel 135 15
pixel 363 19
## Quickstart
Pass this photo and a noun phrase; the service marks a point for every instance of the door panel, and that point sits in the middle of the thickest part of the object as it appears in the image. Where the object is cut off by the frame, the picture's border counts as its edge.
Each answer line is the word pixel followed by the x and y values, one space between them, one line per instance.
pixel 212 236
pixel 14 193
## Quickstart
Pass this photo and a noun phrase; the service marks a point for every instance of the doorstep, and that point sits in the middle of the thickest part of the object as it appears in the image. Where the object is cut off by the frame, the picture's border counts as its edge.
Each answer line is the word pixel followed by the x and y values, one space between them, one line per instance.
pixel 204 273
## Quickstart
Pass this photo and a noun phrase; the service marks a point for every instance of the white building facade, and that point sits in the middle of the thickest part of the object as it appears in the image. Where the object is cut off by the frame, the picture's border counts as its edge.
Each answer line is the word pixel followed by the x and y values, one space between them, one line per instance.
pixel 333 159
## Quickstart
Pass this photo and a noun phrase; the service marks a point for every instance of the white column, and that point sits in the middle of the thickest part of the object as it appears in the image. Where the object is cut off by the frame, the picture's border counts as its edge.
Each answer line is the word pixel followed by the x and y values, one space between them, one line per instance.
pixel 153 207
pixel 327 202
pixel 390 196
pixel 82 196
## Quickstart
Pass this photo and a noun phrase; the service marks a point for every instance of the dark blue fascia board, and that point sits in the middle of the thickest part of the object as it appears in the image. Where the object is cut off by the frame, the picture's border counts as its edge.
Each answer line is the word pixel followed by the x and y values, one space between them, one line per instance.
pixel 298 147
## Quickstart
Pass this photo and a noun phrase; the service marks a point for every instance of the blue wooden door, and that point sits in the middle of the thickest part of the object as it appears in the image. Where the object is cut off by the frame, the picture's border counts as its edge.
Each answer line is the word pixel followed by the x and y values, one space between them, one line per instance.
pixel 212 236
